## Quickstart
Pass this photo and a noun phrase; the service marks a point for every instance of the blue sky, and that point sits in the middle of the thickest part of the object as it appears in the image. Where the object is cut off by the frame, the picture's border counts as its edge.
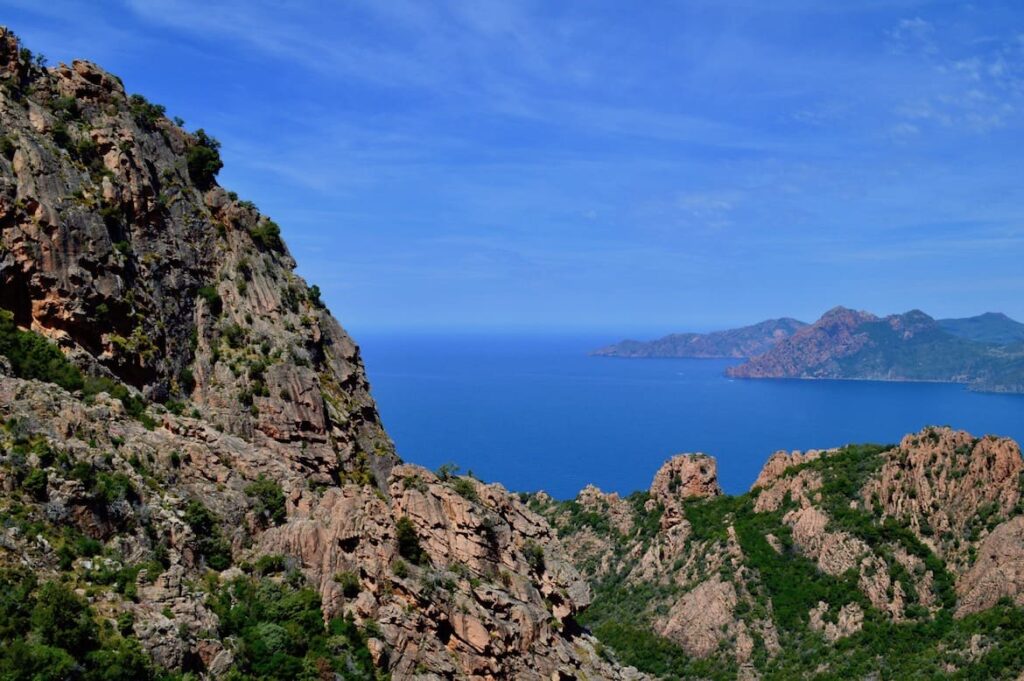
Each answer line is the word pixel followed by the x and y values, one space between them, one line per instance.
pixel 634 167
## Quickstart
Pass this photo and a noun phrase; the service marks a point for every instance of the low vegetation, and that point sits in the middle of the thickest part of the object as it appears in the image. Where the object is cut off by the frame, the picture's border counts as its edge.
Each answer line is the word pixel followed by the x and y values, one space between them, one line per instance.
pixel 784 586
pixel 203 159
pixel 49 632
pixel 34 357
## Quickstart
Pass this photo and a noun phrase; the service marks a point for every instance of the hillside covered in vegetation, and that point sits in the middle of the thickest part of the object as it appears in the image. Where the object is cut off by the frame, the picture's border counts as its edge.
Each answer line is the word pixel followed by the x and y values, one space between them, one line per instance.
pixel 863 562
pixel 984 352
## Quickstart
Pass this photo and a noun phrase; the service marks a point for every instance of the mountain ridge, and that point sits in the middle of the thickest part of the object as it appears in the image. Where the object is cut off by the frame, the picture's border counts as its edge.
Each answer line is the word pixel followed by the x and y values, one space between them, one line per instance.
pixel 742 342
pixel 849 344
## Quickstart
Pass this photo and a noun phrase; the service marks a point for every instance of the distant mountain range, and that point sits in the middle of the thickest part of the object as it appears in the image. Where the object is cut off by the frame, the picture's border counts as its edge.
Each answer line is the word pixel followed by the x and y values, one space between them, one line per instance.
pixel 746 341
pixel 985 352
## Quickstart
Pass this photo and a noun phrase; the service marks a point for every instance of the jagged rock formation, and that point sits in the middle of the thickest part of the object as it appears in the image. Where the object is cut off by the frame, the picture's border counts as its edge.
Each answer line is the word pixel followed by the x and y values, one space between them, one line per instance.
pixel 683 477
pixel 117 244
pixel 911 554
pixel 747 341
pixel 912 346
pixel 223 434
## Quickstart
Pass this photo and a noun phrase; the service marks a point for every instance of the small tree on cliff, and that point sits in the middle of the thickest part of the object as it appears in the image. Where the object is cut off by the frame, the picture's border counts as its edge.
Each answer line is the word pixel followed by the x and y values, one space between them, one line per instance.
pixel 204 160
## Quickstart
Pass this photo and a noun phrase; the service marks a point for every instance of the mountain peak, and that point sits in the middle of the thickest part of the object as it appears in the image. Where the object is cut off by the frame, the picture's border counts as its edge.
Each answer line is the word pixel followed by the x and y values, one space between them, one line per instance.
pixel 840 312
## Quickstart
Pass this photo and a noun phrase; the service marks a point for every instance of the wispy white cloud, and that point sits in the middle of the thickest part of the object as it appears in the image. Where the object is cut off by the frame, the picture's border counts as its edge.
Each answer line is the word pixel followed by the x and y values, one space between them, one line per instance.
pixel 407 146
pixel 913 36
pixel 975 85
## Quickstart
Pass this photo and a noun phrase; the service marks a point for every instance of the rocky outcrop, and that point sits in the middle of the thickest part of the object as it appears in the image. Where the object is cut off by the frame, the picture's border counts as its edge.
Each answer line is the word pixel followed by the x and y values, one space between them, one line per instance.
pixel 777 483
pixel 949 487
pixel 998 571
pixel 857 528
pixel 493 590
pixel 779 462
pixel 849 621
pixel 702 618
pixel 681 478
pixel 619 512
pixel 119 246
pixel 490 592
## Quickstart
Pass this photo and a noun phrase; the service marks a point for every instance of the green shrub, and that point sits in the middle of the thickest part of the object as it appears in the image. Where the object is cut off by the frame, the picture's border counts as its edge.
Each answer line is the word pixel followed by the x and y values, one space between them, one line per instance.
pixel 186 381
pixel 270 564
pixel 534 555
pixel 66 108
pixel 314 296
pixel 349 583
pixel 209 538
pixel 145 113
pixel 61 619
pixel 7 147
pixel 34 357
pixel 35 484
pixel 409 542
pixel 465 488
pixel 269 497
pixel 267 235
pixel 61 136
pixel 281 633
pixel 446 471
pixel 212 298
pixel 112 487
pixel 203 159
pixel 234 335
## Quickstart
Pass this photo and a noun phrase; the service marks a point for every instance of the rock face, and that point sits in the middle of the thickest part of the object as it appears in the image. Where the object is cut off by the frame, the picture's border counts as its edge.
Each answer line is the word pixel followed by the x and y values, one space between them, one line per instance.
pixel 144 270
pixel 683 477
pixel 225 429
pixel 949 487
pixel 747 341
pixel 849 621
pixel 702 618
pixel 849 344
pixel 490 597
pixel 998 571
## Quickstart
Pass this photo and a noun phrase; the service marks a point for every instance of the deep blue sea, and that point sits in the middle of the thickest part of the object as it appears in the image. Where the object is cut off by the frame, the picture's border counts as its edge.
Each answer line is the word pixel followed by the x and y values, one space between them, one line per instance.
pixel 536 412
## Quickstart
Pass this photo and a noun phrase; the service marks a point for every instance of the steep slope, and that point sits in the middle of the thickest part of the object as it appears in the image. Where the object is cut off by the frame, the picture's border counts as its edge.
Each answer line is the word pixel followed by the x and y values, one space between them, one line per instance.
pixel 911 346
pixel 197 479
pixel 117 244
pixel 990 327
pixel 862 562
pixel 747 341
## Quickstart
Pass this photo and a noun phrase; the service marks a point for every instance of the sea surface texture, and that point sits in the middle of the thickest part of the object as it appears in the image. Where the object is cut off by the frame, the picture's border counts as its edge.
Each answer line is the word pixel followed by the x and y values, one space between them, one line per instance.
pixel 536 412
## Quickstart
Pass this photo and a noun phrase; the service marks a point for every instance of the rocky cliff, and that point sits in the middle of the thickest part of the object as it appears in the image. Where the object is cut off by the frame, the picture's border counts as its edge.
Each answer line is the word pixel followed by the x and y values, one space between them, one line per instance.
pixel 867 561
pixel 193 475
pixel 747 341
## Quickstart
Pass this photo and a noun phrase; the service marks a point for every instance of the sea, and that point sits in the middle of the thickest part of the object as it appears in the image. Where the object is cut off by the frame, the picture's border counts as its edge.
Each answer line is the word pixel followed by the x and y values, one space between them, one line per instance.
pixel 537 412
